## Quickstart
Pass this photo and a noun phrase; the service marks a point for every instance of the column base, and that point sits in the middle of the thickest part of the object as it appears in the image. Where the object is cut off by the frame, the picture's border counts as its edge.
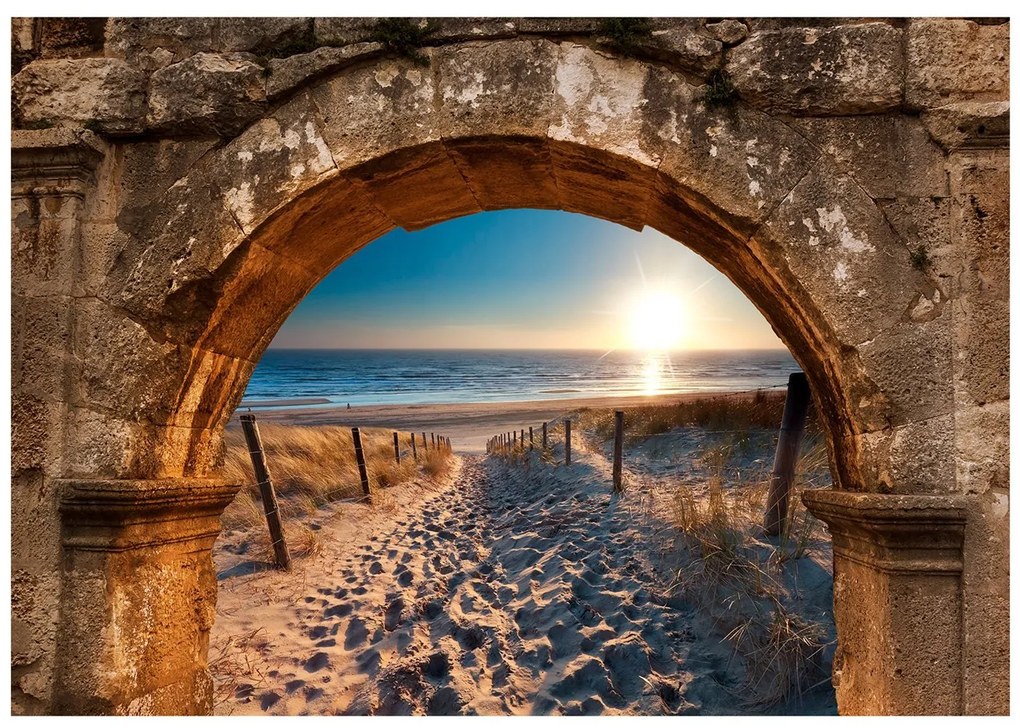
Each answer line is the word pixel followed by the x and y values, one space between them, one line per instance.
pixel 898 600
pixel 139 595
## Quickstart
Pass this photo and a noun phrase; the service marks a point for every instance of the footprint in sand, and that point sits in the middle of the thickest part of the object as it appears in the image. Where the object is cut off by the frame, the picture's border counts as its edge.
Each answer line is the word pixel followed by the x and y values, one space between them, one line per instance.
pixel 356 635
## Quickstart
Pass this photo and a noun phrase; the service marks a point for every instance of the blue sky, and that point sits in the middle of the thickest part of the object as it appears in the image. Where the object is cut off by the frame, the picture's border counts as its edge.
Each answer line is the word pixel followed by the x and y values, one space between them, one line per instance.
pixel 525 279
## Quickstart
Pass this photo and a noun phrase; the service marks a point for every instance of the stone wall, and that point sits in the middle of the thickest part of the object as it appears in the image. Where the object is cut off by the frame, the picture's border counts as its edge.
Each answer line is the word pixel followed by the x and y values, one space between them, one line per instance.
pixel 180 184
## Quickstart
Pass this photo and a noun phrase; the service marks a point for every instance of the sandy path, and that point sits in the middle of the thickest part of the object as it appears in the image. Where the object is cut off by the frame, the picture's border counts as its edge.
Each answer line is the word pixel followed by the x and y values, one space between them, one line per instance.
pixel 528 598
pixel 513 590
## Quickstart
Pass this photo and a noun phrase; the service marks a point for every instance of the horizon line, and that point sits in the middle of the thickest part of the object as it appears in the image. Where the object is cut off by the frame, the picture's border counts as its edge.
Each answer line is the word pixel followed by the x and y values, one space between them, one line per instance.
pixel 513 348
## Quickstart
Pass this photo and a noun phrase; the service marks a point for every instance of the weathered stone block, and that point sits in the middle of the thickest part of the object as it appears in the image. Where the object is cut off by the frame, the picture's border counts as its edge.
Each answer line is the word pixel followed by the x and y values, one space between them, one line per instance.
pixel 729 31
pixel 848 69
pixel 403 111
pixel 287 74
pixel 419 187
pixel 974 123
pixel 598 103
pixel 557 26
pixel 261 35
pixel 215 94
pixel 343 31
pixel 152 43
pixel 507 173
pixel 982 447
pixel 685 48
pixel 106 93
pixel 955 60
pixel 273 161
pixel 455 30
pixel 71 37
pixel 888 155
pixel 833 239
pixel 503 88
pixel 742 160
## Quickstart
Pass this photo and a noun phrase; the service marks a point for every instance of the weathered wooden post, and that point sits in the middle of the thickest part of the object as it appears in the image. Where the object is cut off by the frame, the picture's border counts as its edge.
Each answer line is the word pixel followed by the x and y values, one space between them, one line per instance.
pixel 268 493
pixel 359 454
pixel 566 440
pixel 531 437
pixel 618 454
pixel 545 435
pixel 433 440
pixel 414 448
pixel 424 442
pixel 798 396
pixel 515 438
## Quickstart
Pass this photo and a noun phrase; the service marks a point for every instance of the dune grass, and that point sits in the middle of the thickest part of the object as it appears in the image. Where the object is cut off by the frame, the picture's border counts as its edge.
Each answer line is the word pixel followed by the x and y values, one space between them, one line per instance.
pixel 313 466
pixel 715 553
pixel 763 409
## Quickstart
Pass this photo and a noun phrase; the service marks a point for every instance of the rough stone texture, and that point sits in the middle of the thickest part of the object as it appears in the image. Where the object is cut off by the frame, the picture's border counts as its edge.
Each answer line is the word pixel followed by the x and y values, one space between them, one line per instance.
pixel 207 93
pixel 728 31
pixel 848 69
pixel 261 35
pixel 949 61
pixel 685 48
pixel 969 122
pixel 151 271
pixel 100 92
pixel 287 74
pixel 152 43
pixel 890 156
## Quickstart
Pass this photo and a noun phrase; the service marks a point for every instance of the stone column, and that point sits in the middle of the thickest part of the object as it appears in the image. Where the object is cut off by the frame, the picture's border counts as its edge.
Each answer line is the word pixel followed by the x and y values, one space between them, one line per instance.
pixel 898 600
pixel 139 595
pixel 113 590
pixel 51 172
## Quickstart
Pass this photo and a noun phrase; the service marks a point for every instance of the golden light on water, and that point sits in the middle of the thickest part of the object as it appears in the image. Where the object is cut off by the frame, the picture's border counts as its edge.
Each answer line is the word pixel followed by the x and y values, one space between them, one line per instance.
pixel 651 375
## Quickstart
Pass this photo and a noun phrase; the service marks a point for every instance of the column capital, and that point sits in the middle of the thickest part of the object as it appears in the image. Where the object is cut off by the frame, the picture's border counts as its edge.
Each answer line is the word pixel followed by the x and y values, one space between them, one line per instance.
pixel 58 161
pixel 119 515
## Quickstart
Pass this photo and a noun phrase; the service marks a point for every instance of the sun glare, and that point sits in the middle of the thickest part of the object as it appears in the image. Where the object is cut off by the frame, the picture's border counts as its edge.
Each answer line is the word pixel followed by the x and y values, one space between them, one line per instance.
pixel 657 321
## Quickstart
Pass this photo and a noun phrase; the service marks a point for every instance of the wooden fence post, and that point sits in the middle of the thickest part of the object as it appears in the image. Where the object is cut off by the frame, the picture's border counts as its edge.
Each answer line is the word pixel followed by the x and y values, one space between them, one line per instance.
pixel 545 436
pixel 433 440
pixel 359 454
pixel 618 454
pixel 414 448
pixel 798 396
pixel 265 483
pixel 531 437
pixel 396 447
pixel 566 426
pixel 424 442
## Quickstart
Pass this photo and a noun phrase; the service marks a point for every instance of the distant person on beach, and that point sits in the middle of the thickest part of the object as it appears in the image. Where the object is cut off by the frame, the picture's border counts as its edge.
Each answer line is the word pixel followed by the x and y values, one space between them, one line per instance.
pixel 348 405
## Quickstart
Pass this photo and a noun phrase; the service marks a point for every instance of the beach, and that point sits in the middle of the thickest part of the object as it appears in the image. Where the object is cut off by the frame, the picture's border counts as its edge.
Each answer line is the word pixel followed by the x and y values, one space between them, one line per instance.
pixel 468 425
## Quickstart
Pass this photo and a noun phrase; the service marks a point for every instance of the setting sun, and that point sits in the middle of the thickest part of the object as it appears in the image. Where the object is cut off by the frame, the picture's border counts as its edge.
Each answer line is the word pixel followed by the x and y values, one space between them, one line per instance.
pixel 657 320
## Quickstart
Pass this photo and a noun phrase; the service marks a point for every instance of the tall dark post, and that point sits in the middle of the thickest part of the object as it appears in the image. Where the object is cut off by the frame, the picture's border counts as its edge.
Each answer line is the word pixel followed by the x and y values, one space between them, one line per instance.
pixel 396 447
pixel 424 442
pixel 433 440
pixel 798 396
pixel 359 454
pixel 515 438
pixel 545 435
pixel 566 439
pixel 265 483
pixel 618 454
pixel 414 448
pixel 531 437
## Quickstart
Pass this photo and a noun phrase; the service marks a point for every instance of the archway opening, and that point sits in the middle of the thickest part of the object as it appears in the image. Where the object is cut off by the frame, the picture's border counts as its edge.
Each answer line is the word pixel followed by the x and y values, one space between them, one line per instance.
pixel 393 641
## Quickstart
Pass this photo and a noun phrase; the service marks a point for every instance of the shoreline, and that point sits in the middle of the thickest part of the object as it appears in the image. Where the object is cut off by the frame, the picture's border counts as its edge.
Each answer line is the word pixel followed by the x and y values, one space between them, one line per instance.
pixel 469 425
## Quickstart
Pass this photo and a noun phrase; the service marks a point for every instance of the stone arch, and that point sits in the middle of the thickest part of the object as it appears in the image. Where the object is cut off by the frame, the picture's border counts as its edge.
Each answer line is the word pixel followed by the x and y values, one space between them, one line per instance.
pixel 191 251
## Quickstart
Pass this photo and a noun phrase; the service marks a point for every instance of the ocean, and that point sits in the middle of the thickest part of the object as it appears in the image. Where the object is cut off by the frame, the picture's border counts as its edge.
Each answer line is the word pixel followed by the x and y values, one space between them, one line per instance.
pixel 328 377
